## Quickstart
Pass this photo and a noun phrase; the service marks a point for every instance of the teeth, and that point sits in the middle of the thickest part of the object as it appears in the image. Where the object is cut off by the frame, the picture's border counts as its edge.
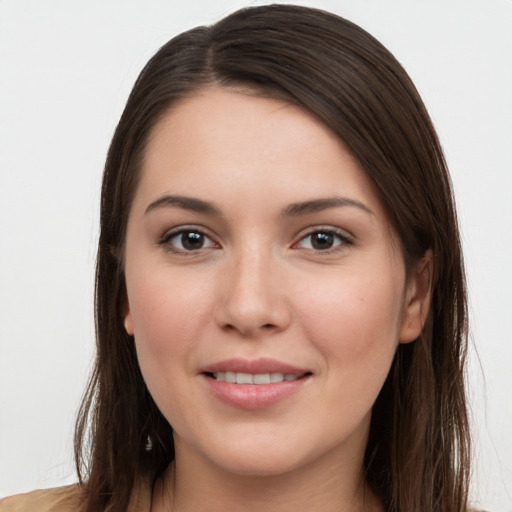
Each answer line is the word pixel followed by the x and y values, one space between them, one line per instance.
pixel 244 378
pixel 254 378
pixel 261 378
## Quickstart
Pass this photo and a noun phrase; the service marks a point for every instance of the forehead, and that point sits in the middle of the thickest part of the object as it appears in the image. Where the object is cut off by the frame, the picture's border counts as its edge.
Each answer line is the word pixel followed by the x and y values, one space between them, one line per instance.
pixel 230 143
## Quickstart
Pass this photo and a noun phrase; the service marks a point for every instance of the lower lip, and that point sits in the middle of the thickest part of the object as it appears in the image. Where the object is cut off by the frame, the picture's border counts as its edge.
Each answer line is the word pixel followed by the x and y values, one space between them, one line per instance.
pixel 253 396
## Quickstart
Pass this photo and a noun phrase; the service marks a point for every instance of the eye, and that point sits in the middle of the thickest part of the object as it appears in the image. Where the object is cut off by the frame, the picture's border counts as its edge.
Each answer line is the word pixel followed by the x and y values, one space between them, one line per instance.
pixel 323 240
pixel 187 240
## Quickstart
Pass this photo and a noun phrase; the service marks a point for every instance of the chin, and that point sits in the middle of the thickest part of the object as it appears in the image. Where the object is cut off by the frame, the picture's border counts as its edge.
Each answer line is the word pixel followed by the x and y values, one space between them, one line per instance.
pixel 245 454
pixel 265 463
pixel 271 455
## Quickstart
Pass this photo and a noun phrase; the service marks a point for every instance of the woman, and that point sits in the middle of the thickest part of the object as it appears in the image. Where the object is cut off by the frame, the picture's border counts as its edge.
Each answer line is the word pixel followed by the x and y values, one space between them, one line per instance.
pixel 280 279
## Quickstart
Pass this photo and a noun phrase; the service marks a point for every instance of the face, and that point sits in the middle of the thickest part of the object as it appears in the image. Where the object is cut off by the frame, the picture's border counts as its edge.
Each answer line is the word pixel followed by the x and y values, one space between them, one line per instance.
pixel 265 287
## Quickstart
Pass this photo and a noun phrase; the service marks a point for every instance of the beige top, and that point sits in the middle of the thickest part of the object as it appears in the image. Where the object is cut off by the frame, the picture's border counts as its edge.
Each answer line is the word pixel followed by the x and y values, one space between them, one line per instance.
pixel 67 499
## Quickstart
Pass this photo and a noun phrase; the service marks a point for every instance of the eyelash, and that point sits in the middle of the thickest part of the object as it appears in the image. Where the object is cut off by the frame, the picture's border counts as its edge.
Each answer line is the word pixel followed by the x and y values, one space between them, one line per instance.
pixel 343 239
pixel 167 237
pixel 165 240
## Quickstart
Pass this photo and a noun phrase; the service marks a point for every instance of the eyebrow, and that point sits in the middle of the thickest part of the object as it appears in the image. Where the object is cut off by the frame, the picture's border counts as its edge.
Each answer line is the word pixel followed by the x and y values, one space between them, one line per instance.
pixel 292 210
pixel 318 205
pixel 186 203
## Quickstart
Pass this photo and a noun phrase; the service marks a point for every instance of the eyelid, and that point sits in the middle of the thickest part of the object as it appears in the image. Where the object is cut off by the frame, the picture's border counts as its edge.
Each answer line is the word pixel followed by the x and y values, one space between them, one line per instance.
pixel 171 233
pixel 346 238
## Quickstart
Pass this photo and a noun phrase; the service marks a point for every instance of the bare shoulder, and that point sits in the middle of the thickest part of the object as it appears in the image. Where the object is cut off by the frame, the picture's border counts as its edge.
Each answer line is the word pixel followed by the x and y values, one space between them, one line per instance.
pixel 59 499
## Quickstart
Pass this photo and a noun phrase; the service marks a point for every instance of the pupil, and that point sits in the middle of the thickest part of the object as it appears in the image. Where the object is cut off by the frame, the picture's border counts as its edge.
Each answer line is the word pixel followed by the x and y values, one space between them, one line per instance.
pixel 192 240
pixel 322 241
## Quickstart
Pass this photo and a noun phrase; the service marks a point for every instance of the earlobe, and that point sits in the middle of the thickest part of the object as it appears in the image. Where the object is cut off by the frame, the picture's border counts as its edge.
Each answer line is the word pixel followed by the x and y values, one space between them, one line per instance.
pixel 128 323
pixel 417 299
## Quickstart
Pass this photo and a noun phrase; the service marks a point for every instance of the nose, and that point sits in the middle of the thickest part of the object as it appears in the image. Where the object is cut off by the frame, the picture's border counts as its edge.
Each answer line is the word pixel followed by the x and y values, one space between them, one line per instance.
pixel 252 301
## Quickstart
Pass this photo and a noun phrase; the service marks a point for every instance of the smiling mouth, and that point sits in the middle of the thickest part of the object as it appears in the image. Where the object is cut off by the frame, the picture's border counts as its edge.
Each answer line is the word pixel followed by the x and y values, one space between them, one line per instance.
pixel 256 378
pixel 254 384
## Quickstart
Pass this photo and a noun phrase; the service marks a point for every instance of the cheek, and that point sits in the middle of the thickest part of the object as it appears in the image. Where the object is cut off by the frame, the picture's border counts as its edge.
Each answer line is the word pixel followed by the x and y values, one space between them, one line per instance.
pixel 355 320
pixel 168 313
pixel 167 319
pixel 352 321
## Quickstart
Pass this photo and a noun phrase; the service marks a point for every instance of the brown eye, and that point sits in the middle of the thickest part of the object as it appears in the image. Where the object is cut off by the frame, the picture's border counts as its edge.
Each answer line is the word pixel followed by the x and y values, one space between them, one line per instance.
pixel 188 240
pixel 322 240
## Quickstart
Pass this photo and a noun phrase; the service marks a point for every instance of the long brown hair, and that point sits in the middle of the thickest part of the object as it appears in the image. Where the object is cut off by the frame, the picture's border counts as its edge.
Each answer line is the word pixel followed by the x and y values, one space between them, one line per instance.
pixel 417 456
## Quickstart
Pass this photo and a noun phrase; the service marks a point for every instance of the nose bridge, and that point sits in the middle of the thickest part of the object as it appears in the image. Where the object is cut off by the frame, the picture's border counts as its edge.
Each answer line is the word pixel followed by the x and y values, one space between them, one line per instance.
pixel 251 298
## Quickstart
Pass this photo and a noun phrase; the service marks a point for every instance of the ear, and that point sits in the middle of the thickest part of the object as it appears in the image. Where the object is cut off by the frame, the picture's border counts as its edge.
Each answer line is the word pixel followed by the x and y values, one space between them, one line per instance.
pixel 128 322
pixel 418 296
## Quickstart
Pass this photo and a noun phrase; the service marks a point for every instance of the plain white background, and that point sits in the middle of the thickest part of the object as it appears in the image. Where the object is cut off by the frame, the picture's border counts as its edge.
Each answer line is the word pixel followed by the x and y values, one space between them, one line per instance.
pixel 66 68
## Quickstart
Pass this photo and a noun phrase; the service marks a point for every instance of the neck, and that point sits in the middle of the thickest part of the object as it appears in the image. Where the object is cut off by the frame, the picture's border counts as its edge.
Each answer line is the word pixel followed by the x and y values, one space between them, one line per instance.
pixel 326 485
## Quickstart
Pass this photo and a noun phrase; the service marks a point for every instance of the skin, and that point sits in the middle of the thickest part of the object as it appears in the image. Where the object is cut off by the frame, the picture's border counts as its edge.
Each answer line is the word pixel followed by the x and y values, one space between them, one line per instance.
pixel 258 287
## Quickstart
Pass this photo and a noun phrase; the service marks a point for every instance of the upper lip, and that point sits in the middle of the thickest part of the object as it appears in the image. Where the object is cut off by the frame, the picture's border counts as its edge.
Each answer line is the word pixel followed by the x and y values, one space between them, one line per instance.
pixel 255 366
